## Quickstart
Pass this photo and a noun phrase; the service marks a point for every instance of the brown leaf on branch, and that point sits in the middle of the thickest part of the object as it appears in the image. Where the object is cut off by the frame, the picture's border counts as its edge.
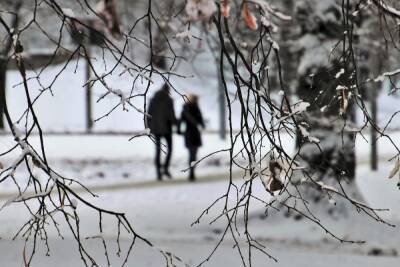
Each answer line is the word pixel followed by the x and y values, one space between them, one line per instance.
pixel 107 10
pixel 275 169
pixel 344 98
pixel 225 10
pixel 249 18
pixel 395 169
pixel 275 185
pixel 26 262
pixel 36 162
pixel 200 9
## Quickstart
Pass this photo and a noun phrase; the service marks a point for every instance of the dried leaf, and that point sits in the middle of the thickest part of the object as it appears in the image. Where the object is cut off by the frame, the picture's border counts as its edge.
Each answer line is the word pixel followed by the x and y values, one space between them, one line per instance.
pixel 395 169
pixel 62 197
pixel 107 11
pixel 249 18
pixel 225 8
pixel 200 9
pixel 275 185
pixel 26 262
pixel 275 169
pixel 36 162
pixel 1 166
pixel 344 98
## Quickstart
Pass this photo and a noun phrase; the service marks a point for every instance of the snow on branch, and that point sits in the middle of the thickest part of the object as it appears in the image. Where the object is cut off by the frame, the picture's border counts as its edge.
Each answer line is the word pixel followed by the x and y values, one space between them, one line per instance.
pixel 29 195
pixel 386 8
pixel 381 77
pixel 268 9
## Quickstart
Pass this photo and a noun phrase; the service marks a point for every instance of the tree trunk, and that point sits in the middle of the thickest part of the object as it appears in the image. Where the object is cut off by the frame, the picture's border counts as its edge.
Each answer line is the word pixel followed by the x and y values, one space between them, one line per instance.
pixel 222 105
pixel 88 91
pixel 3 76
pixel 378 65
pixel 6 47
pixel 374 145
pixel 289 60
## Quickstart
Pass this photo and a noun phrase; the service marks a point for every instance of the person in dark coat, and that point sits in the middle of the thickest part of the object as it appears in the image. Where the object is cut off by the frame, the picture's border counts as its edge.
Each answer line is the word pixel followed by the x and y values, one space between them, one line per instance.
pixel 160 121
pixel 192 118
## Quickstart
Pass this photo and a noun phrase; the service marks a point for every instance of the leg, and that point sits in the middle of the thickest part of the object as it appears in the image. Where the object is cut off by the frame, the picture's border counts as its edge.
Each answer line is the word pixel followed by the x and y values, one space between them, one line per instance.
pixel 158 154
pixel 168 139
pixel 192 158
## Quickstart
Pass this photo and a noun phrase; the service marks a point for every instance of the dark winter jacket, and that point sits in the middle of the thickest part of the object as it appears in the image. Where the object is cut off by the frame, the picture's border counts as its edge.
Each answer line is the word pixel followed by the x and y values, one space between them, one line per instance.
pixel 192 118
pixel 162 115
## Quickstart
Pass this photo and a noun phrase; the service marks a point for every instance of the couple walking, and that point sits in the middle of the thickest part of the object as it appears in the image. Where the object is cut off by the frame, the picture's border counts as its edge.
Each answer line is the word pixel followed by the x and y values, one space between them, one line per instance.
pixel 162 118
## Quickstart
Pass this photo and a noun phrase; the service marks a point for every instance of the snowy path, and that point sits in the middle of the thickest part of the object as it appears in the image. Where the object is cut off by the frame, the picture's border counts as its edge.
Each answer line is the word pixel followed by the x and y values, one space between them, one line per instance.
pixel 142 184
pixel 289 256
pixel 108 160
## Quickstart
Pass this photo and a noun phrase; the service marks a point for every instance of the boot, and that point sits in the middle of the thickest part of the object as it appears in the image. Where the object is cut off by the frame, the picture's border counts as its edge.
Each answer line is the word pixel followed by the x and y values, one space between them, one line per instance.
pixel 192 178
pixel 166 172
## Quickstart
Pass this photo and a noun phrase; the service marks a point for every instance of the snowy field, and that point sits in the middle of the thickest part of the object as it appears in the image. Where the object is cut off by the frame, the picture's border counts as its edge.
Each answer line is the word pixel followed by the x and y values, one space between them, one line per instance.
pixel 163 212
pixel 107 159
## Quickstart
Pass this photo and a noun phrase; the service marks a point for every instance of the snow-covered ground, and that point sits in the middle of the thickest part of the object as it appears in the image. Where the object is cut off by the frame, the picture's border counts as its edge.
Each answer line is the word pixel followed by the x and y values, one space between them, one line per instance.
pixel 107 159
pixel 163 212
pixel 101 160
